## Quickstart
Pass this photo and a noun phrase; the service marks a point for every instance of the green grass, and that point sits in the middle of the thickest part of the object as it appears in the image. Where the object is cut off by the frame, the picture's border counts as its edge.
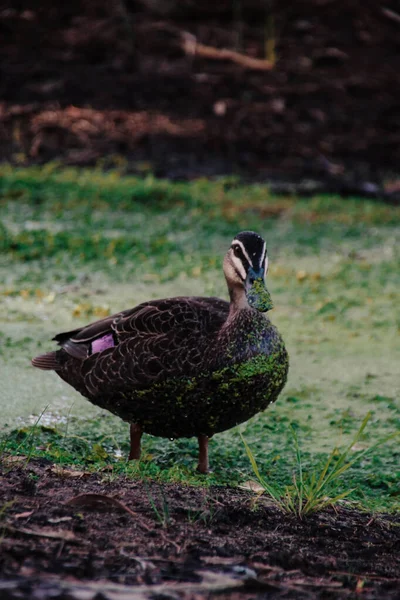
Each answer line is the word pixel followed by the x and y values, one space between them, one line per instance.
pixel 76 245
pixel 315 490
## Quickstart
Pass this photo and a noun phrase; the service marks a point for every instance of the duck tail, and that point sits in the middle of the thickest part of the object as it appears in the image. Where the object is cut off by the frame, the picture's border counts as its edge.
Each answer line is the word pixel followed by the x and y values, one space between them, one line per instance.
pixel 47 362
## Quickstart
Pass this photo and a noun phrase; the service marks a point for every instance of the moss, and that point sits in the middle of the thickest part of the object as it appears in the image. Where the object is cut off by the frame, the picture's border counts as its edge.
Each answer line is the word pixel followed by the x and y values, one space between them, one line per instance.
pixel 258 364
pixel 209 402
pixel 259 297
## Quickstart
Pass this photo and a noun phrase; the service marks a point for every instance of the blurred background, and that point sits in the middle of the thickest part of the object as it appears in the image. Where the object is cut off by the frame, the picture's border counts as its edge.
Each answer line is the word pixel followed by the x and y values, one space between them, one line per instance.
pixel 278 91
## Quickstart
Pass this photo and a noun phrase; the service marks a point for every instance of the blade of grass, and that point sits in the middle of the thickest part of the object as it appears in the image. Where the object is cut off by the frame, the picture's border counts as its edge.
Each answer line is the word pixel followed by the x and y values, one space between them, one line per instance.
pixel 299 486
pixel 275 495
pixel 32 433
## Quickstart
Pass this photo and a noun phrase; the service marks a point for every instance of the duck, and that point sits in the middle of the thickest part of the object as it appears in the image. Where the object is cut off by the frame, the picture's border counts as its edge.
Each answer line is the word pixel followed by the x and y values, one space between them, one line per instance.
pixel 186 366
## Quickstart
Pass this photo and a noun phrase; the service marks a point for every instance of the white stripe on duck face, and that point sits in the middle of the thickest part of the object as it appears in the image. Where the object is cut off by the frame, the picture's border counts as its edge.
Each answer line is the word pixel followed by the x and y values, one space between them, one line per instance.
pixel 245 253
pixel 239 267
pixel 264 256
pixel 266 266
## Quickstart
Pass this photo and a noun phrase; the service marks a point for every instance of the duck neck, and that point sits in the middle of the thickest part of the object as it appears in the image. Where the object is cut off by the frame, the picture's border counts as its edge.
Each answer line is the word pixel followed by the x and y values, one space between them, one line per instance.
pixel 238 300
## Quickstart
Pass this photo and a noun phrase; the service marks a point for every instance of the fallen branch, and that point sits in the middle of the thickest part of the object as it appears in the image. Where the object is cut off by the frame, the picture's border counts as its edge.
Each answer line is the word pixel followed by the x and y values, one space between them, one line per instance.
pixel 191 46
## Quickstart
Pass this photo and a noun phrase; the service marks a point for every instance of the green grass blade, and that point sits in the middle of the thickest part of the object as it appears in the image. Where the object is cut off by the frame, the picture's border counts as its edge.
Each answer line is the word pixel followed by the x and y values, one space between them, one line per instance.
pixel 299 486
pixel 341 466
pixel 252 459
pixel 274 493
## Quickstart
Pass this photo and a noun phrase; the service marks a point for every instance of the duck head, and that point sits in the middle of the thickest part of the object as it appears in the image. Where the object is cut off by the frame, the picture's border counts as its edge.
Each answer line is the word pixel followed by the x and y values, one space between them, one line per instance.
pixel 245 268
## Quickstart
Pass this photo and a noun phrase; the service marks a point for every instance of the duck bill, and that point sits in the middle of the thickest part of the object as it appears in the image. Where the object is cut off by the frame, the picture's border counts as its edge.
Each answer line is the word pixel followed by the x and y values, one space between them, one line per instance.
pixel 257 294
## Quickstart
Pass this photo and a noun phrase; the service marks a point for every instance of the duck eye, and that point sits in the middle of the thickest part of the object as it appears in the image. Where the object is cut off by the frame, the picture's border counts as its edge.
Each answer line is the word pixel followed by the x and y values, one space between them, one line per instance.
pixel 236 251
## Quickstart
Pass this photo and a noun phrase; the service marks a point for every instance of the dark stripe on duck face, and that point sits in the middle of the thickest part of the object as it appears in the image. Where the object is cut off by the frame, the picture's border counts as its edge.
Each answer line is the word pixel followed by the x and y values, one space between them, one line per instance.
pixel 239 253
pixel 251 249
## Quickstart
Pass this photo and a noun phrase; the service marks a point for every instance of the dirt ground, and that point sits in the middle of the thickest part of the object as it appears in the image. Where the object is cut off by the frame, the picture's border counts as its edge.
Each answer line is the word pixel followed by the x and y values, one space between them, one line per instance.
pixel 88 81
pixel 79 536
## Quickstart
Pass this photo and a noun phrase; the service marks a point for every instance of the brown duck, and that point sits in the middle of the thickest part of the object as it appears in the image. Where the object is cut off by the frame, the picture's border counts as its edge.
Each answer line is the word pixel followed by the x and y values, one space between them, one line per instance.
pixel 185 366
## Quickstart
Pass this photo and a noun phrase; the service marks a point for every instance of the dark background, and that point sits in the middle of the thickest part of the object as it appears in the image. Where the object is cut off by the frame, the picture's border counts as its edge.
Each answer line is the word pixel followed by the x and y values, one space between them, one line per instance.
pixel 83 82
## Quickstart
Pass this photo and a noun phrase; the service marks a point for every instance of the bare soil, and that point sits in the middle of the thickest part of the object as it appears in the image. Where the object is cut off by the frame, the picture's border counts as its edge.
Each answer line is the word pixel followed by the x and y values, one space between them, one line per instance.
pixel 74 535
pixel 83 81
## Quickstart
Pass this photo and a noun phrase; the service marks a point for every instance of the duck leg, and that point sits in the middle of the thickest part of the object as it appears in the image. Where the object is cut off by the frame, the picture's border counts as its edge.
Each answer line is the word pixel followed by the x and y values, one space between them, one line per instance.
pixel 203 454
pixel 136 435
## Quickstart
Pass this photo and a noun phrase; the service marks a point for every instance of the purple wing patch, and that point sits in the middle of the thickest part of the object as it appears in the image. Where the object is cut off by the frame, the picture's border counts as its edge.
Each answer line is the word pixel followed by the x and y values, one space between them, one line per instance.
pixel 102 343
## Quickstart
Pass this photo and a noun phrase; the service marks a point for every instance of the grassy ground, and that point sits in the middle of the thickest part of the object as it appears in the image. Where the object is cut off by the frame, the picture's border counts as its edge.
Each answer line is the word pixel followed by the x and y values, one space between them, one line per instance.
pixel 77 245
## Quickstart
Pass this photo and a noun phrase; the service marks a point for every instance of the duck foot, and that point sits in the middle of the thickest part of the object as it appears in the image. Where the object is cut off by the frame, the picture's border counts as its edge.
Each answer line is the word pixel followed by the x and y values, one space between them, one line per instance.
pixel 136 435
pixel 203 454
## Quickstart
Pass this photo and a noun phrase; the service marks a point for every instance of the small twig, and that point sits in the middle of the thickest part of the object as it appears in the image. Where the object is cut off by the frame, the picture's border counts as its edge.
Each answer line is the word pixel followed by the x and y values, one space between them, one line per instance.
pixel 23 515
pixel 191 46
pixel 390 14
pixel 66 536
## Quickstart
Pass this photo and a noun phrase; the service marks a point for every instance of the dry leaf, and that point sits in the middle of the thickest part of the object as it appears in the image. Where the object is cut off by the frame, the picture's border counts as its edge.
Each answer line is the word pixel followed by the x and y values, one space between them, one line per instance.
pixel 301 275
pixel 99 499
pixel 68 472
pixel 251 485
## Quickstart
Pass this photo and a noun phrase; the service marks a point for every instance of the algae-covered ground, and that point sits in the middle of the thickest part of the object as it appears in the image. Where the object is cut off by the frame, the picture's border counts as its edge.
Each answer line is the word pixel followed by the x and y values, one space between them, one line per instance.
pixel 76 245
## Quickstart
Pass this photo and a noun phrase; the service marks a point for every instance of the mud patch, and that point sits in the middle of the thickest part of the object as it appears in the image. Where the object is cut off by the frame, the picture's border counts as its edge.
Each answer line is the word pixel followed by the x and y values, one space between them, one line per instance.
pixel 121 538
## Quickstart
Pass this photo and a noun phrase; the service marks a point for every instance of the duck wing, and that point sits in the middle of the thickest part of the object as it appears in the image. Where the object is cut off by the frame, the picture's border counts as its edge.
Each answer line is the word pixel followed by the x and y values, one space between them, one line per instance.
pixel 151 318
pixel 155 341
pixel 148 343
